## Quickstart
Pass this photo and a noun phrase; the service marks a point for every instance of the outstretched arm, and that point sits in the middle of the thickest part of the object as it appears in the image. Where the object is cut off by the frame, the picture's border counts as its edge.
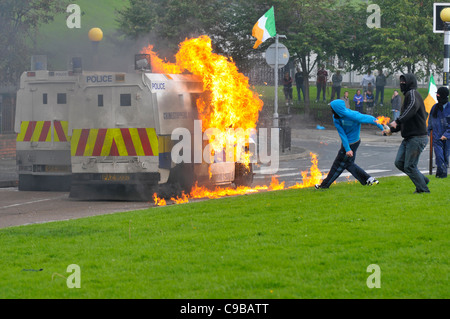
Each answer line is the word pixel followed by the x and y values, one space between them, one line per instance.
pixel 362 118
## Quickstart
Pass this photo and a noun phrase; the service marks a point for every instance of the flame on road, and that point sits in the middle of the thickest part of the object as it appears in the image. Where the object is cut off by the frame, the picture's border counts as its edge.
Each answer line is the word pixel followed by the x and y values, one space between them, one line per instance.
pixel 159 201
pixel 313 177
pixel 309 178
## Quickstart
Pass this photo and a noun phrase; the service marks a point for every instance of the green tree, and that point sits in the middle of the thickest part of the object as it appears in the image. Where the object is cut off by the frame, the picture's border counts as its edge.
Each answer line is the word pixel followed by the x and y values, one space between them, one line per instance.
pixel 319 30
pixel 355 46
pixel 168 22
pixel 405 41
pixel 19 20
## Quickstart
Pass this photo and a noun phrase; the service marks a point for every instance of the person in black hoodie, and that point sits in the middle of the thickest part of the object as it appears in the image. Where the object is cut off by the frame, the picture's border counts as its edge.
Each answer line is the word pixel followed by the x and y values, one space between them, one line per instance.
pixel 412 123
pixel 439 129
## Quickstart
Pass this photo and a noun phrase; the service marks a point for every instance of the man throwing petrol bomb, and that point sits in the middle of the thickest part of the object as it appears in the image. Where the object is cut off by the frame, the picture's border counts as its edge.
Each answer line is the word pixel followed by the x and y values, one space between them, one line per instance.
pixel 348 125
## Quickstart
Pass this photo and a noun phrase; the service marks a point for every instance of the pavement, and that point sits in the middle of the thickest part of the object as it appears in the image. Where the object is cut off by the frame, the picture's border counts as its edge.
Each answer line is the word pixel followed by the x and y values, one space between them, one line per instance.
pixel 8 173
pixel 299 132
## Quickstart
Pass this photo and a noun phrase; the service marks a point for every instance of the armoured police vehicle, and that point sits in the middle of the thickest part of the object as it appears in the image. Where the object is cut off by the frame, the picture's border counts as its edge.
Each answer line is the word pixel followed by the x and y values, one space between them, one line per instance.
pixel 41 124
pixel 122 126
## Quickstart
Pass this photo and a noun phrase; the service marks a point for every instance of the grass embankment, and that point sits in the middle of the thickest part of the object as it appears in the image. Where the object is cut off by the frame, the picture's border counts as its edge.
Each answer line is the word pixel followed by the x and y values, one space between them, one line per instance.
pixel 282 244
pixel 59 42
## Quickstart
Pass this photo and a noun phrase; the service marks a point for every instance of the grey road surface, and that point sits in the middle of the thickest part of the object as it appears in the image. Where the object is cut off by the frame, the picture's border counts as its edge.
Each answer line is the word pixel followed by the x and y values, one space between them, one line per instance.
pixel 376 155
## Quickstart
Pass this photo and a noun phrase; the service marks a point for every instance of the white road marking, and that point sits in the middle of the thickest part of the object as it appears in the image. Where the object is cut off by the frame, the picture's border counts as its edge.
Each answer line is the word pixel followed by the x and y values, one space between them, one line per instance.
pixel 32 202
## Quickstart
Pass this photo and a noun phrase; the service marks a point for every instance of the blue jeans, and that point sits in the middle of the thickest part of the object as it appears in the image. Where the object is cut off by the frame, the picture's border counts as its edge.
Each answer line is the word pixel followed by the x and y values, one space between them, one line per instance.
pixel 380 91
pixel 335 90
pixel 342 162
pixel 441 151
pixel 323 87
pixel 407 159
pixel 395 115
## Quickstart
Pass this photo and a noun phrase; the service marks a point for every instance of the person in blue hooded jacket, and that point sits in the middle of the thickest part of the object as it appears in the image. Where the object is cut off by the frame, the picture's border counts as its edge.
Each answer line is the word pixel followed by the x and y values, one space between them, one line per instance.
pixel 439 127
pixel 348 124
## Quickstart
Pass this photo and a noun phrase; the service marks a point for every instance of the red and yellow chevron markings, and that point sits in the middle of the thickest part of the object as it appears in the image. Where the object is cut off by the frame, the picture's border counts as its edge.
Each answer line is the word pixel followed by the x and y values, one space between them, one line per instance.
pixel 40 131
pixel 114 142
pixel 60 131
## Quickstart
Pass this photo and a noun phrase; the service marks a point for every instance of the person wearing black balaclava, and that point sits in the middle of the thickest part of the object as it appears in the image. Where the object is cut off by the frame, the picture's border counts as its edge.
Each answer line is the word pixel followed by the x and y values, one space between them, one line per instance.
pixel 413 127
pixel 439 127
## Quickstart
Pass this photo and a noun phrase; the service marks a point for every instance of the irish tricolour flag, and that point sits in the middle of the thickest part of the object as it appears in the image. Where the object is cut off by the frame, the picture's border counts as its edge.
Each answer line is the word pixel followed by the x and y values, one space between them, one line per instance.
pixel 264 28
pixel 431 99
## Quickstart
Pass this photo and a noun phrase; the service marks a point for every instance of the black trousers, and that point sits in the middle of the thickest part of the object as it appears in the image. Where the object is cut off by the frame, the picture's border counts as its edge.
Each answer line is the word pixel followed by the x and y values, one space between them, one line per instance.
pixel 343 162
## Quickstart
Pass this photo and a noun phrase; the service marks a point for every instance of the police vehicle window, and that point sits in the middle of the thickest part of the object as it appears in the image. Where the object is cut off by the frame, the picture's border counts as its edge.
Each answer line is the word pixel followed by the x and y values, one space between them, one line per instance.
pixel 61 98
pixel 44 98
pixel 125 99
pixel 100 100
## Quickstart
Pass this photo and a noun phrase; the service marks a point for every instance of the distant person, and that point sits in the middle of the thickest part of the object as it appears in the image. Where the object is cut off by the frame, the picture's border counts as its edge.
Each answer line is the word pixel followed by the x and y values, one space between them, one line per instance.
pixel 368 100
pixel 370 88
pixel 413 127
pixel 348 125
pixel 299 84
pixel 346 99
pixel 321 82
pixel 439 127
pixel 336 81
pixel 380 83
pixel 358 99
pixel 368 78
pixel 287 88
pixel 396 102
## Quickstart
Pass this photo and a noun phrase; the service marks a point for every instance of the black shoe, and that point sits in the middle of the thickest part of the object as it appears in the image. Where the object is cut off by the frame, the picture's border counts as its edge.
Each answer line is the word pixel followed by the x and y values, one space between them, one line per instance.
pixel 419 192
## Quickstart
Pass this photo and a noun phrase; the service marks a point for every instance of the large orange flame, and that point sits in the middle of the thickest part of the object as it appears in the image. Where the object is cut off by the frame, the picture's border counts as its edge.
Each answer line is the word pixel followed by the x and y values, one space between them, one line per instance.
pixel 229 105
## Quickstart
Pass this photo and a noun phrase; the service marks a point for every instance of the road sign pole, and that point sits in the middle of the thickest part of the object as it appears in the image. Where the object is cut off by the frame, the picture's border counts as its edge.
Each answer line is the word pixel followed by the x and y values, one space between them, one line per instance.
pixel 277 59
pixel 275 105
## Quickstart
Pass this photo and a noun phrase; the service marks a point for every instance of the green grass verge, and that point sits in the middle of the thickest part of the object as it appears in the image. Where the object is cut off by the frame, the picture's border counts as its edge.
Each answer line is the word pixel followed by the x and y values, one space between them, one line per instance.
pixel 303 243
pixel 59 42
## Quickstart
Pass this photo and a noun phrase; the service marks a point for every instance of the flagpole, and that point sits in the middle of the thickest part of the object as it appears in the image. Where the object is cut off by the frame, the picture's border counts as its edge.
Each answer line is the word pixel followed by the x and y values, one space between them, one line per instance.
pixel 430 165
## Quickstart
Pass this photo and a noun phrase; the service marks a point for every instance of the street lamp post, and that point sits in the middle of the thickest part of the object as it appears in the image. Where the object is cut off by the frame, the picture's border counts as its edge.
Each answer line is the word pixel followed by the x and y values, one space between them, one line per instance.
pixel 445 17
